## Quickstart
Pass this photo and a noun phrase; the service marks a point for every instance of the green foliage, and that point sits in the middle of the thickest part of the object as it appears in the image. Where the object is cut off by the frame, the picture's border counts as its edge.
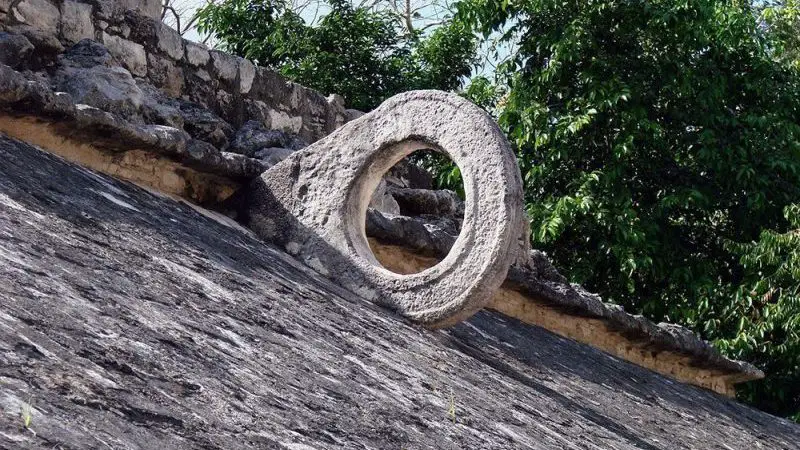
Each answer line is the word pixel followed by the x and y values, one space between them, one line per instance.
pixel 484 93
pixel 783 24
pixel 762 324
pixel 446 174
pixel 363 54
pixel 253 29
pixel 26 413
pixel 650 135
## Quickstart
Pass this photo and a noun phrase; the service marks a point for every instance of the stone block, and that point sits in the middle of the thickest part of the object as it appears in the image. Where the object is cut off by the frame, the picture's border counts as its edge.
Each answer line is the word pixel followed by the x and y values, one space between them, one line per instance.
pixel 157 108
pixel 149 8
pixel 14 49
pixel 76 23
pixel 40 14
pixel 130 54
pixel 120 30
pixel 247 72
pixel 352 114
pixel 111 89
pixel 45 42
pixel 203 124
pixel 5 6
pixel 203 75
pixel 169 41
pixel 257 110
pixel 270 87
pixel 281 120
pixel 87 54
pixel 383 200
pixel 253 137
pixel 225 66
pixel 196 54
pixel 164 74
pixel 113 10
pixel 272 155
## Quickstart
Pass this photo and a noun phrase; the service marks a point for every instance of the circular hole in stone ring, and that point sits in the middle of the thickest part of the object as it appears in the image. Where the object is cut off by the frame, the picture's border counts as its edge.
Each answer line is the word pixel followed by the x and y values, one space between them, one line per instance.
pixel 397 258
pixel 412 219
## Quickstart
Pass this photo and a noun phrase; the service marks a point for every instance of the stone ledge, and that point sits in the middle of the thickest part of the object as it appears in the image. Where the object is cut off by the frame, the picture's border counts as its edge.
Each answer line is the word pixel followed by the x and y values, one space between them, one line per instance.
pixel 536 293
pixel 31 111
pixel 140 166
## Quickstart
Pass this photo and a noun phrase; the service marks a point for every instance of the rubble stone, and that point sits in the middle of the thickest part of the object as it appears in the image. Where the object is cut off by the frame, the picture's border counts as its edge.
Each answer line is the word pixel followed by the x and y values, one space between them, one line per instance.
pixel 225 65
pixel 130 54
pixel 110 89
pixel 46 45
pixel 87 54
pixel 148 8
pixel 383 201
pixel 204 125
pixel 159 109
pixel 196 54
pixel 232 87
pixel 272 155
pixel 40 14
pixel 253 137
pixel 14 49
pixel 415 202
pixel 352 114
pixel 169 41
pixel 76 21
pixel 247 72
pixel 165 74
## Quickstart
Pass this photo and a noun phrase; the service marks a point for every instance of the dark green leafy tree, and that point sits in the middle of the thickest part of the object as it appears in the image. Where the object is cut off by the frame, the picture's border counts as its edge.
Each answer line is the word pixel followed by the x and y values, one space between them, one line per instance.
pixel 782 19
pixel 650 135
pixel 364 54
pixel 762 323
pixel 253 29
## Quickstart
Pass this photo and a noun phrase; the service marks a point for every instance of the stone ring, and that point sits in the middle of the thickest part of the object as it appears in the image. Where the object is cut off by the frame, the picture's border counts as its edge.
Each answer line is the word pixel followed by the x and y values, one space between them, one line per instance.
pixel 314 203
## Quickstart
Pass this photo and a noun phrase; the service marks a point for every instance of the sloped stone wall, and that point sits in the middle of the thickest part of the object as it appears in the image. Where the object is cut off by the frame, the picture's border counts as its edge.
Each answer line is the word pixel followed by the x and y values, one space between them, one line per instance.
pixel 232 87
pixel 147 106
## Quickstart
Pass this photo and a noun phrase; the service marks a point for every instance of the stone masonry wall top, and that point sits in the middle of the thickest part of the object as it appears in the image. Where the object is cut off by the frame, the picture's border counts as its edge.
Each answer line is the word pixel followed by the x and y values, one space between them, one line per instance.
pixel 229 86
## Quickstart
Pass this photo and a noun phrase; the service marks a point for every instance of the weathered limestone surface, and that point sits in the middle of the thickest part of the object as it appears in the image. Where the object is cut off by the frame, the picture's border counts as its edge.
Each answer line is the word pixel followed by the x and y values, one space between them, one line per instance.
pixel 314 203
pixel 128 320
pixel 40 14
pixel 76 21
pixel 197 54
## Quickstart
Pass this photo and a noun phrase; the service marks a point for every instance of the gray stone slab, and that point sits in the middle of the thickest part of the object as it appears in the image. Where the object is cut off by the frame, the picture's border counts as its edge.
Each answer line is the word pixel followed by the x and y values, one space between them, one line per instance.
pixel 130 320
